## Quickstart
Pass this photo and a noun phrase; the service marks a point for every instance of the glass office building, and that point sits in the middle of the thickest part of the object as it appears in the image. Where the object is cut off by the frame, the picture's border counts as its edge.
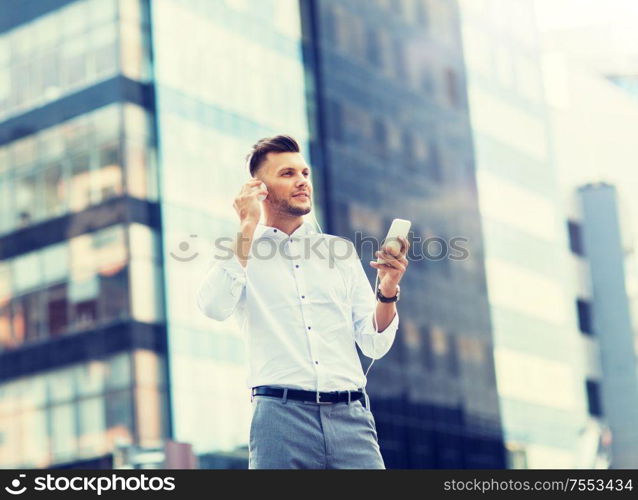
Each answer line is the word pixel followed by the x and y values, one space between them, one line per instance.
pixel 394 132
pixel 237 76
pixel 82 335
pixel 123 130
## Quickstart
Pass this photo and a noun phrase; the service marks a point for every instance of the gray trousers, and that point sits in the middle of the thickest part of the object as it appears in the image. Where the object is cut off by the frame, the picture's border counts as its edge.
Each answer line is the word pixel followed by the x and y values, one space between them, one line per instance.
pixel 289 434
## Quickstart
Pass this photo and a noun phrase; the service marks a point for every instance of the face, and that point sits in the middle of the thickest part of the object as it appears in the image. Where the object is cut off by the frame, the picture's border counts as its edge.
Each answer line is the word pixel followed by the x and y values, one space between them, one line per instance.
pixel 287 176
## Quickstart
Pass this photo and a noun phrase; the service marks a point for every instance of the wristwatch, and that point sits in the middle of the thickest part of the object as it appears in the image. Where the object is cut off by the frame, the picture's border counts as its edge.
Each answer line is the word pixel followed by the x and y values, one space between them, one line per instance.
pixel 386 300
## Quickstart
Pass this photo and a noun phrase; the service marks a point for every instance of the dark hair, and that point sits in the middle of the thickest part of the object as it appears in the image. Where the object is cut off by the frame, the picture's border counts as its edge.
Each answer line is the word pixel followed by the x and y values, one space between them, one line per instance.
pixel 276 144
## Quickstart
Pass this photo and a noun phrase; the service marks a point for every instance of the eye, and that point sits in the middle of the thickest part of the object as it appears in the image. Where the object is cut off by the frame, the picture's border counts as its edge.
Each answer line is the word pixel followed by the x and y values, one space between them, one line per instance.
pixel 306 174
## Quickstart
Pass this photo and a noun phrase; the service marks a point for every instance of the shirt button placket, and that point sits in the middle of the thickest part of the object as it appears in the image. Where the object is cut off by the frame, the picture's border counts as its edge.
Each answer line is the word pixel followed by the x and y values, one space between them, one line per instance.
pixel 297 268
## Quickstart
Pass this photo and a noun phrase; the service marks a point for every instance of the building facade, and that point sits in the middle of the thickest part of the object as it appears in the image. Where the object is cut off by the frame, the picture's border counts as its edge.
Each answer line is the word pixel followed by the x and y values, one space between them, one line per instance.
pixel 610 252
pixel 395 138
pixel 540 368
pixel 82 334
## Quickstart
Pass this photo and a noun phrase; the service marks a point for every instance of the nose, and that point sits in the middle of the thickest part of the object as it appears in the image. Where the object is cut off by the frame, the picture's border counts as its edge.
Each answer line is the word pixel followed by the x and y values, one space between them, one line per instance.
pixel 302 182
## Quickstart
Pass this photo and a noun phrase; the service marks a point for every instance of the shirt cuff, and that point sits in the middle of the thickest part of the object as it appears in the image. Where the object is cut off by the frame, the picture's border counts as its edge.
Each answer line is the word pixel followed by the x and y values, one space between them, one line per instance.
pixel 392 326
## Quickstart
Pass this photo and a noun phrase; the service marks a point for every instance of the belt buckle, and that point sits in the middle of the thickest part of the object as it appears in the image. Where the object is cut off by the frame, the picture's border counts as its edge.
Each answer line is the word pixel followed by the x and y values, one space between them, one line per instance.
pixel 318 397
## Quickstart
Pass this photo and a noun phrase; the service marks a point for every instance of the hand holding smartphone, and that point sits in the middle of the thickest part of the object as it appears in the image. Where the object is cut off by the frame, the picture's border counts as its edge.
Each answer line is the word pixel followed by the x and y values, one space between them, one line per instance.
pixel 399 227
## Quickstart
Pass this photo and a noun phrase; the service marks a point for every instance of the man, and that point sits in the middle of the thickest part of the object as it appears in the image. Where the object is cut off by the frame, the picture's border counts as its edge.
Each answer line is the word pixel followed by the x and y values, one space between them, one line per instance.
pixel 302 305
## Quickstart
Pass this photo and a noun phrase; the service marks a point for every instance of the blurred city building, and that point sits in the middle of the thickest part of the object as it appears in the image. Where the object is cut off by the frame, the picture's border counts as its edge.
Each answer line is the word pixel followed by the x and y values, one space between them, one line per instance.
pixel 395 141
pixel 593 122
pixel 602 241
pixel 593 450
pixel 540 367
pixel 123 125
pixel 82 328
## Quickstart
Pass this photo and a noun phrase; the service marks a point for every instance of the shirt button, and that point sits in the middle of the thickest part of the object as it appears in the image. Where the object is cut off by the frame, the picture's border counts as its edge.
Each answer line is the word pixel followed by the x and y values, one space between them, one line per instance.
pixel 316 362
pixel 297 265
pixel 274 230
pixel 303 296
pixel 309 328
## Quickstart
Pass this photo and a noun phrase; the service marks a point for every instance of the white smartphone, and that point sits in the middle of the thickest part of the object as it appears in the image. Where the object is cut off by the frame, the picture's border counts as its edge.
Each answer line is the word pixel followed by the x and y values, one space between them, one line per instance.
pixel 399 227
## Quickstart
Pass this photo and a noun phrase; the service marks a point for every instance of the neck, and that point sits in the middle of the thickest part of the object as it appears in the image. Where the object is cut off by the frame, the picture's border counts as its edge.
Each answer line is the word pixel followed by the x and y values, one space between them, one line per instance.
pixel 286 224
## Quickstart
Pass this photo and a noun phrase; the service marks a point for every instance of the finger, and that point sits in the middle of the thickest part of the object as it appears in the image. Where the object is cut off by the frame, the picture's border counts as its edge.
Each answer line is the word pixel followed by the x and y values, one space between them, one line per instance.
pixel 252 184
pixel 404 247
pixel 379 267
pixel 405 244
pixel 392 263
pixel 386 256
pixel 388 249
pixel 386 267
pixel 258 189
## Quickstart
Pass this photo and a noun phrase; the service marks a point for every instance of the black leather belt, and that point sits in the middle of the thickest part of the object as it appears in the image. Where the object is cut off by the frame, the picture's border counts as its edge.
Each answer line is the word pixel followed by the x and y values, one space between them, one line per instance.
pixel 309 396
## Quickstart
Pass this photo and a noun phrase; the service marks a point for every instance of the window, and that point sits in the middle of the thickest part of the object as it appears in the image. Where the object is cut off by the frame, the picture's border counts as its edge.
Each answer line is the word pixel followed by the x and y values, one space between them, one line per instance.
pixel 575 238
pixel 114 295
pixel 415 149
pixel 92 423
pixel 109 174
pixel 593 398
pixel 336 119
pixel 118 373
pixel 6 219
pixel 434 164
pixel 28 317
pixel 119 417
pixel 50 71
pixel 5 282
pixel 421 13
pixel 584 317
pixel 63 440
pixel 426 348
pixel 73 62
pixel 54 190
pixel 452 87
pixel 380 136
pixel 57 305
pixel 80 182
pixel 26 199
pixel 26 272
pixel 373 48
pixel 6 340
pixel 400 59
pixel 83 298
pixel 427 85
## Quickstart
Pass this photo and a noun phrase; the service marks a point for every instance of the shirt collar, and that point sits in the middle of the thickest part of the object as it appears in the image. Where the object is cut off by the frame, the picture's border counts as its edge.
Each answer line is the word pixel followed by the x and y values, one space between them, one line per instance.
pixel 263 231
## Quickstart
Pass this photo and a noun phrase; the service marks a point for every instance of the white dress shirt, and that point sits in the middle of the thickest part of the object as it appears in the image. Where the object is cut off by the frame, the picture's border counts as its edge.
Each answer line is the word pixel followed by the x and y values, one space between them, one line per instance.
pixel 300 313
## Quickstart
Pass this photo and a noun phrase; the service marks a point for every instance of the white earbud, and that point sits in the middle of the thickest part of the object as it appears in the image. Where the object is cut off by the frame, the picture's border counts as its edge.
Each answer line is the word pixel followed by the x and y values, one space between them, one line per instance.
pixel 262 197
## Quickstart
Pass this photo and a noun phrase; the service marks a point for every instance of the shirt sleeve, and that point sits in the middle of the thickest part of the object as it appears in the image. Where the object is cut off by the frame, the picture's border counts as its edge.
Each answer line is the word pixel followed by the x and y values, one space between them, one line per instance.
pixel 222 288
pixel 372 343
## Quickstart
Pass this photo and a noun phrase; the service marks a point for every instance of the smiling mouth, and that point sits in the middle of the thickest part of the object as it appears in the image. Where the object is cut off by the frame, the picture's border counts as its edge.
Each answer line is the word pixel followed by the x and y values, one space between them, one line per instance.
pixel 301 196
